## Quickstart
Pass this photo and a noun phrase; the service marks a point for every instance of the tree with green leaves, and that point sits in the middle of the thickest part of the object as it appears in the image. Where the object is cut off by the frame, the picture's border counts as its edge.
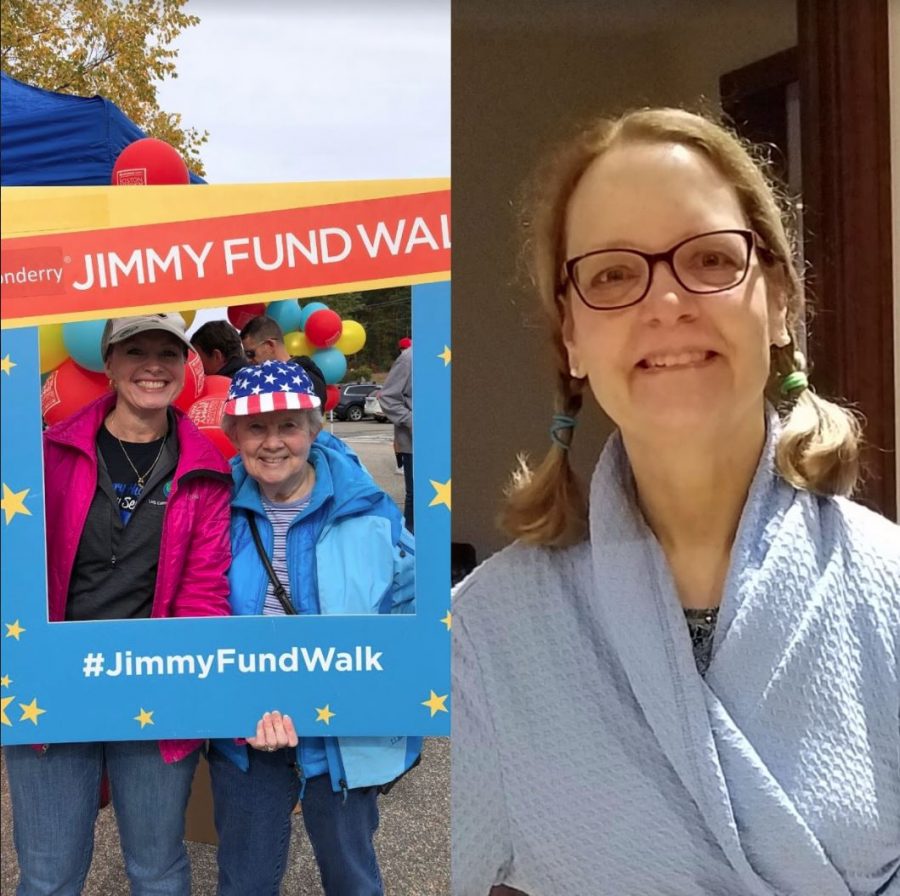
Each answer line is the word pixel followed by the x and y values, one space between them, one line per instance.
pixel 119 49
pixel 385 314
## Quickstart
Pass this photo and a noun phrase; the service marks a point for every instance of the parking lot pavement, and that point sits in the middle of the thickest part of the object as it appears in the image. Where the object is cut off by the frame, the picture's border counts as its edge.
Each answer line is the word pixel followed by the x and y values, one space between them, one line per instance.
pixel 374 443
pixel 413 840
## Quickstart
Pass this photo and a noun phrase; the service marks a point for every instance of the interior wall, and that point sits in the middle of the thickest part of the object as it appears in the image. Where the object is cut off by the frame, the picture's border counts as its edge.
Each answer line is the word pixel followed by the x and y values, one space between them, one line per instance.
pixel 520 82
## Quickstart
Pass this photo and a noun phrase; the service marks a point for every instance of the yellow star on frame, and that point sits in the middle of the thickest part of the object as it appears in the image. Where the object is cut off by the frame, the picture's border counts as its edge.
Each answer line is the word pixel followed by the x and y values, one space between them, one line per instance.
pixel 436 703
pixel 6 681
pixel 4 702
pixel 13 629
pixel 13 503
pixel 445 355
pixel 324 714
pixel 31 711
pixel 144 717
pixel 6 365
pixel 448 620
pixel 442 493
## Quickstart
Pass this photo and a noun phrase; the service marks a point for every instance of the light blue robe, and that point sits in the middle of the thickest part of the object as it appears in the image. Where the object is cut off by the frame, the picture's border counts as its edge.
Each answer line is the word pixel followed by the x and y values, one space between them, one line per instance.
pixel 590 757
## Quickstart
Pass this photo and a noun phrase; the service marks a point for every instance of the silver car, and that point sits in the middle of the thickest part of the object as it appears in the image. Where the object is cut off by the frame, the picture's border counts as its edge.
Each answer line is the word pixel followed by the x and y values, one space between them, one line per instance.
pixel 373 407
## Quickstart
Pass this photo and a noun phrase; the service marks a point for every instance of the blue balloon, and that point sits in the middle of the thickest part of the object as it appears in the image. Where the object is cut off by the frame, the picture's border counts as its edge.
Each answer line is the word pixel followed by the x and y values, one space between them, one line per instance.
pixel 82 341
pixel 332 363
pixel 309 309
pixel 286 313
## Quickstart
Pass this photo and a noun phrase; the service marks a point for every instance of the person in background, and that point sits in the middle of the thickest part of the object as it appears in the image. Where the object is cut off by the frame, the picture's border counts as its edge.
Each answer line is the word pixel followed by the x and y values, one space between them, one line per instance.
pixel 137 517
pixel 396 404
pixel 219 346
pixel 403 343
pixel 336 545
pixel 684 681
pixel 263 340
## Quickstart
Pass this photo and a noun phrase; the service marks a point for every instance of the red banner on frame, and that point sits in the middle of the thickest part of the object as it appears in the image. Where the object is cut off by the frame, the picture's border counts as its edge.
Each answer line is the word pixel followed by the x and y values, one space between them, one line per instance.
pixel 56 274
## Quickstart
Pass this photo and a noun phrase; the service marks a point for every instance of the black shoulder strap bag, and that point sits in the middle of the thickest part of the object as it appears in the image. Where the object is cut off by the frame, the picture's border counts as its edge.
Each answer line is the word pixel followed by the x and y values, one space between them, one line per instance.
pixel 283 598
pixel 280 592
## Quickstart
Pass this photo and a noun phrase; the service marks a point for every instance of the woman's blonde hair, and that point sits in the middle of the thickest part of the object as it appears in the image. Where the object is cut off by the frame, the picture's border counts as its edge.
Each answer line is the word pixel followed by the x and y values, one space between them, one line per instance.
pixel 818 448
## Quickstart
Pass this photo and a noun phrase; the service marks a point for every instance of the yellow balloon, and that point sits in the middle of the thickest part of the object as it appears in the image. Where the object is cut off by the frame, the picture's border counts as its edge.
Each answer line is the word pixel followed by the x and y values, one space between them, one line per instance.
pixel 353 338
pixel 189 316
pixel 52 348
pixel 297 344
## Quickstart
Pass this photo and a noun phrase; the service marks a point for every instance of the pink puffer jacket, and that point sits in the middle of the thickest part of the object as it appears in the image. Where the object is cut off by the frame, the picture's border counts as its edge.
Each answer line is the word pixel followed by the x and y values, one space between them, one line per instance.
pixel 195 549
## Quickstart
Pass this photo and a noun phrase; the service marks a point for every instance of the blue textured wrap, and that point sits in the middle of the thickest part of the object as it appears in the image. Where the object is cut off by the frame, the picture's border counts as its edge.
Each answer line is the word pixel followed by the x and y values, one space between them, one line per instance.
pixel 589 756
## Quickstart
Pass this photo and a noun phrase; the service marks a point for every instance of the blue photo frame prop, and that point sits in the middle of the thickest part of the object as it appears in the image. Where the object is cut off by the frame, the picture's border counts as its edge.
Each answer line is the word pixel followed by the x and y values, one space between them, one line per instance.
pixel 180 678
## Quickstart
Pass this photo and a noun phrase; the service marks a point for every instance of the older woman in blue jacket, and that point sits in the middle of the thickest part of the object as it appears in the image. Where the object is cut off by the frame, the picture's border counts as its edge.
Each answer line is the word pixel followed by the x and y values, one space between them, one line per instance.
pixel 314 506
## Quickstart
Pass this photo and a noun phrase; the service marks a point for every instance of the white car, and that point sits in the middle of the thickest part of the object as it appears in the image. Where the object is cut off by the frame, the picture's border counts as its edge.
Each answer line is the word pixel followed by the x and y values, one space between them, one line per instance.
pixel 373 408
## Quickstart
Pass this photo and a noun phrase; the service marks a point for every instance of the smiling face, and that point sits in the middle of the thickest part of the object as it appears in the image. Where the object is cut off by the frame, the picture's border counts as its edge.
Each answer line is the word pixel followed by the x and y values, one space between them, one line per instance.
pixel 147 370
pixel 274 447
pixel 677 361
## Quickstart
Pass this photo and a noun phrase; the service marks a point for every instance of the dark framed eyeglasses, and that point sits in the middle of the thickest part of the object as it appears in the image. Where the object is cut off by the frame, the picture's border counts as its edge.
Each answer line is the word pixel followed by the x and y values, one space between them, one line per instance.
pixel 609 279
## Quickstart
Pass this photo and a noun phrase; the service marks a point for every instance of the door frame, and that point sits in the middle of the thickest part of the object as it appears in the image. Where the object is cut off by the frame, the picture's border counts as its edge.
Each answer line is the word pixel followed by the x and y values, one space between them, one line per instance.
pixel 844 68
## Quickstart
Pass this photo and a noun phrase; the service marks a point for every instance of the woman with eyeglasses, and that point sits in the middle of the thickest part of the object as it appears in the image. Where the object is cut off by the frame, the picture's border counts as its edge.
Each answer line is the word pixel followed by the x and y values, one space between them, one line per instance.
pixel 687 680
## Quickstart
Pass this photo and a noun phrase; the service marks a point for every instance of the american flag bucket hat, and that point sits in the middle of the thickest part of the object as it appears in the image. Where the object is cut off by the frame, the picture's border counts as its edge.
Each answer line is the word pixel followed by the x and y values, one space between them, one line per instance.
pixel 270 386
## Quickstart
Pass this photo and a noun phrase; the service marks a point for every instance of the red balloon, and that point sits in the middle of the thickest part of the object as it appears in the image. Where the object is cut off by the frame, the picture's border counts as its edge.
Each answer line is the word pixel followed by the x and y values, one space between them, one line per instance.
pixel 323 328
pixel 68 389
pixel 216 385
pixel 149 161
pixel 241 315
pixel 221 441
pixel 207 413
pixel 194 378
pixel 333 397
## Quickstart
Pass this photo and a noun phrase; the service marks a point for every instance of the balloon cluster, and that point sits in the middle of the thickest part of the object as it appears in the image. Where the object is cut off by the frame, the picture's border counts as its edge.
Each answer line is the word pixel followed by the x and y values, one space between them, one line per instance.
pixel 313 330
pixel 70 353
pixel 71 358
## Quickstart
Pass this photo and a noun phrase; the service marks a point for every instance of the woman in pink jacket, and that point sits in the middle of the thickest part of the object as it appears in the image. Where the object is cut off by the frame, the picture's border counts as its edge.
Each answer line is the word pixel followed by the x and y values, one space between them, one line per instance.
pixel 137 510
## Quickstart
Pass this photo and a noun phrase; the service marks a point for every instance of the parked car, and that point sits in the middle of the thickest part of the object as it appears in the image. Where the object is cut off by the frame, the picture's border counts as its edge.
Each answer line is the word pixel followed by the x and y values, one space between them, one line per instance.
pixel 373 407
pixel 351 404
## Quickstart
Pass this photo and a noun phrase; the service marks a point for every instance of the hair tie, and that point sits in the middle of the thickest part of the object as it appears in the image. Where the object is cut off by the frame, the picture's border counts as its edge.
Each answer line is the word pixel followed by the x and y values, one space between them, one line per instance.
pixel 794 382
pixel 561 422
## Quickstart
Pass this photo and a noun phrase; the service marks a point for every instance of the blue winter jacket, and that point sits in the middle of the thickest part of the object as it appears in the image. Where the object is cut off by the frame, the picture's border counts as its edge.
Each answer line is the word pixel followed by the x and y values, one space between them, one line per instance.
pixel 354 530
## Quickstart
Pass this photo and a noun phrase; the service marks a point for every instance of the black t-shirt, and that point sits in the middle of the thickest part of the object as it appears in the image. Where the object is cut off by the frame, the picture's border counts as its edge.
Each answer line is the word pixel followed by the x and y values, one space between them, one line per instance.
pixel 122 474
pixel 114 575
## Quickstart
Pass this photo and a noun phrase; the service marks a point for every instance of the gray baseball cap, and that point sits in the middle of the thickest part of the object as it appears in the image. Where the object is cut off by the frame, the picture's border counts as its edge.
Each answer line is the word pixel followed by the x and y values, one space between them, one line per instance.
pixel 118 329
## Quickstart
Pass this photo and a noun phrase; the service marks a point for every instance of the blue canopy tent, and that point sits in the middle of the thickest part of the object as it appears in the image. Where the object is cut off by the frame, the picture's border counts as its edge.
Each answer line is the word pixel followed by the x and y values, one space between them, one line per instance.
pixel 54 139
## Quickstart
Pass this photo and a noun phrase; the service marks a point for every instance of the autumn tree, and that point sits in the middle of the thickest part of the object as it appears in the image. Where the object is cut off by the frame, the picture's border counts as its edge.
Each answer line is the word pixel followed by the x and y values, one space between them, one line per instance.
pixel 119 49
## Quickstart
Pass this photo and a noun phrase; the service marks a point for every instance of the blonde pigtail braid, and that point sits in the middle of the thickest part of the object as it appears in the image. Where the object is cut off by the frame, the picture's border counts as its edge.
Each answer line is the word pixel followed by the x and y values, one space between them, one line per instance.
pixel 546 506
pixel 820 441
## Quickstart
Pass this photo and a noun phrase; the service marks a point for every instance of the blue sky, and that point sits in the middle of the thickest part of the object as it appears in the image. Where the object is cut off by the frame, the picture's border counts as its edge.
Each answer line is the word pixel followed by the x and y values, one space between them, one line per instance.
pixel 312 90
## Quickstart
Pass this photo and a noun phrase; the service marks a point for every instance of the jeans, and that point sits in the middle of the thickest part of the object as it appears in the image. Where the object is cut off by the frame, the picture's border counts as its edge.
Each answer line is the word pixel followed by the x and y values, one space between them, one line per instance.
pixel 55 800
pixel 408 481
pixel 253 819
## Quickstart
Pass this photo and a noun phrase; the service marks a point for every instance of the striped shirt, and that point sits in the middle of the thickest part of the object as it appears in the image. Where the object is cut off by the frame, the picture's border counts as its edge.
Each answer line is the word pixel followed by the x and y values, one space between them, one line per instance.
pixel 280 516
